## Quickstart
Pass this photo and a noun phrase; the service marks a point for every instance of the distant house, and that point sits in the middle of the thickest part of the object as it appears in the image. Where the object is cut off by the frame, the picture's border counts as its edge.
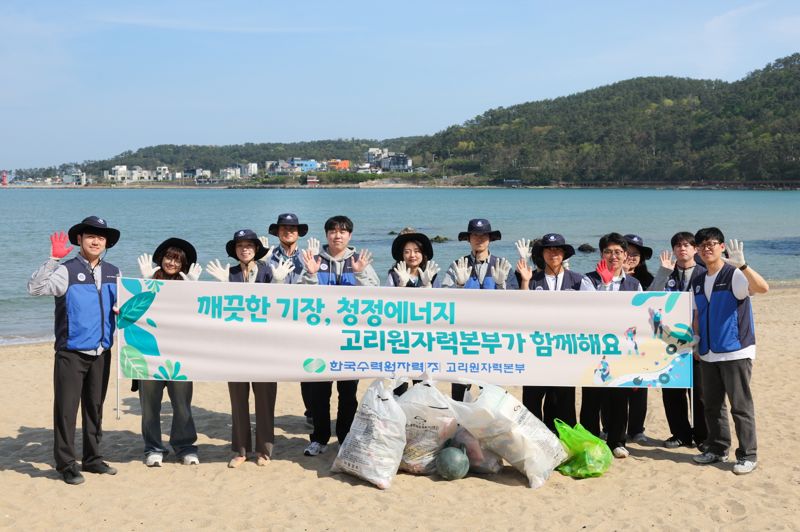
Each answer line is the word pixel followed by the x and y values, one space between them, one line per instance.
pixel 338 165
pixel 396 162
pixel 304 165
pixel 312 181
pixel 162 173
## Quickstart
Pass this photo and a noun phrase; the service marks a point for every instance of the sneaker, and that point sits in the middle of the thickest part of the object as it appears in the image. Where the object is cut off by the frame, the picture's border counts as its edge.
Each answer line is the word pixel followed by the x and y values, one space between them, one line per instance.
pixel 639 437
pixel 743 467
pixel 236 461
pixel 709 458
pixel 190 459
pixel 153 460
pixel 703 447
pixel 620 452
pixel 72 476
pixel 674 442
pixel 262 460
pixel 100 468
pixel 315 448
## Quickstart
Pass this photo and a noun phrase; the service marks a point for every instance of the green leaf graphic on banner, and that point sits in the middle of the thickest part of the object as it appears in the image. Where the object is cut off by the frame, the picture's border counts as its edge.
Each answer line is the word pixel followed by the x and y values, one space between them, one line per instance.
pixel 134 308
pixel 141 340
pixel 672 300
pixel 170 373
pixel 640 299
pixel 154 286
pixel 151 323
pixel 132 285
pixel 132 362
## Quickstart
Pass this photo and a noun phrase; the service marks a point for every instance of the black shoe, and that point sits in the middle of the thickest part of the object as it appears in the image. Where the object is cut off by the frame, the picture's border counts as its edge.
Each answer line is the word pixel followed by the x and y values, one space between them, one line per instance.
pixel 101 468
pixel 703 447
pixel 71 475
pixel 674 442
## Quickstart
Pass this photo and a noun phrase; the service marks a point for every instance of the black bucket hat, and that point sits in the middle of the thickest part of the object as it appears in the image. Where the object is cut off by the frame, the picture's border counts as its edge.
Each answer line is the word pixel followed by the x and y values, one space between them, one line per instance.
pixel 245 234
pixel 479 226
pixel 288 218
pixel 186 247
pixel 400 242
pixel 636 240
pixel 554 240
pixel 94 225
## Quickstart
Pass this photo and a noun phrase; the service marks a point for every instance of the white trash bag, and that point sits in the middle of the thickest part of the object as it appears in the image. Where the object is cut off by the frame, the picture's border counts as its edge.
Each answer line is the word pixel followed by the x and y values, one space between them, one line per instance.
pixel 430 422
pixel 481 460
pixel 374 446
pixel 505 426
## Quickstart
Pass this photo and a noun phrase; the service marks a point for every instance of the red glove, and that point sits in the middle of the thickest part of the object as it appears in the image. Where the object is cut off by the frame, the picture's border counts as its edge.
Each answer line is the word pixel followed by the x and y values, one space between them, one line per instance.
pixel 605 274
pixel 58 245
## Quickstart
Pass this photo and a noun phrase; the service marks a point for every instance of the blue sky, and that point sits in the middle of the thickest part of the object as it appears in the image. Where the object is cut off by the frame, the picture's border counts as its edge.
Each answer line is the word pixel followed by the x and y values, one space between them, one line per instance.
pixel 90 79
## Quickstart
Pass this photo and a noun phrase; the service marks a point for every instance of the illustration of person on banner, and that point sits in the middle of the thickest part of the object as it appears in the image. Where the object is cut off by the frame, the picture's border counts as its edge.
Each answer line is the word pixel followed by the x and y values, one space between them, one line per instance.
pixel 176 260
pixel 248 250
pixel 550 402
pixel 85 291
pixel 480 270
pixel 337 263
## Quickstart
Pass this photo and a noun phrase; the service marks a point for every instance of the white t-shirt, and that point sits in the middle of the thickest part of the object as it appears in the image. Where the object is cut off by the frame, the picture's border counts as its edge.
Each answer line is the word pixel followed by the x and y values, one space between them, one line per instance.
pixel 741 289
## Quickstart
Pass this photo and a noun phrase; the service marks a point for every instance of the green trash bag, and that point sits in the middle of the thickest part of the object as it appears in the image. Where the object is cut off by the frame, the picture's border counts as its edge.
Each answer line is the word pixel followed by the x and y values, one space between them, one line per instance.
pixel 589 456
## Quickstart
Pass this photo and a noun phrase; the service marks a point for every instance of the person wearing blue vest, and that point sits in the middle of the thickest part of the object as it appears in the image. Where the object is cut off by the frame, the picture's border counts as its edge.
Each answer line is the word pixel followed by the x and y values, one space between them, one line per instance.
pixel 480 270
pixel 337 263
pixel 727 347
pixel 246 247
pixel 677 271
pixel 286 260
pixel 550 402
pixel 85 290
pixel 609 276
pixel 176 260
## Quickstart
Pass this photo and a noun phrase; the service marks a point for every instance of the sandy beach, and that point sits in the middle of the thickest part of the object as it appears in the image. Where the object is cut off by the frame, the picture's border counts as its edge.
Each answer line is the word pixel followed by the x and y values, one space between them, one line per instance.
pixel 654 488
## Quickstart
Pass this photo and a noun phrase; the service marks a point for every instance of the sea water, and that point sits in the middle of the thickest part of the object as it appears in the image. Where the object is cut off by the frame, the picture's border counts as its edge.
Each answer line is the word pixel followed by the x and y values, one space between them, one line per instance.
pixel 768 222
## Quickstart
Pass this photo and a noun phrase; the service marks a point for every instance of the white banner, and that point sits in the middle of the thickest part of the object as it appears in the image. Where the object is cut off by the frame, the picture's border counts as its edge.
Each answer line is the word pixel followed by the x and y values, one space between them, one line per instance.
pixel 211 331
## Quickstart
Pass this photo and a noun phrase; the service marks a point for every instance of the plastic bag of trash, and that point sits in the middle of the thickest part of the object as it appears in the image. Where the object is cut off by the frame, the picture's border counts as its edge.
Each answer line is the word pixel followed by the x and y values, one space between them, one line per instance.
pixel 589 456
pixel 374 446
pixel 505 426
pixel 481 460
pixel 430 422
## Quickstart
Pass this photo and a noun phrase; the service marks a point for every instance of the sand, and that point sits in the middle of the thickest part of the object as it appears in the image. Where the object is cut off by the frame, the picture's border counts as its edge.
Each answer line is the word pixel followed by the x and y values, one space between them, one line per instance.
pixel 654 488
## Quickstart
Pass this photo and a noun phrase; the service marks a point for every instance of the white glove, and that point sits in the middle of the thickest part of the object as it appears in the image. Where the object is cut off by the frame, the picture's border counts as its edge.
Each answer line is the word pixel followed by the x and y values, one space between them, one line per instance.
pixel 524 248
pixel 461 271
pixel 218 271
pixel 404 275
pixel 194 273
pixel 283 269
pixel 313 246
pixel 265 242
pixel 735 254
pixel 146 266
pixel 501 271
pixel 426 276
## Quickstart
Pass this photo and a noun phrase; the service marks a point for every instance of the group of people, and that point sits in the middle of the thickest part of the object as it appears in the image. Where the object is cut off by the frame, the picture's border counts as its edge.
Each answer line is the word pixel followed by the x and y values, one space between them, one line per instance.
pixel 716 273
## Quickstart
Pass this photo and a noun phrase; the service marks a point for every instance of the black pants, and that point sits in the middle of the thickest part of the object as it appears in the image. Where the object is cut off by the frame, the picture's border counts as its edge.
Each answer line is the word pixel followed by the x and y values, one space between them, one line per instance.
pixel 321 409
pixel 615 404
pixel 593 408
pixel 79 379
pixel 637 410
pixel 550 402
pixel 457 391
pixel 676 409
pixel 305 392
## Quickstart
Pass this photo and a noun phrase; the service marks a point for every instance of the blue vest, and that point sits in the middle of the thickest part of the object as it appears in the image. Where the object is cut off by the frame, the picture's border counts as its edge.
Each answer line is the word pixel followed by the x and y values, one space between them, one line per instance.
pixel 488 280
pixel 329 277
pixel 570 281
pixel 725 323
pixel 263 273
pixel 675 279
pixel 296 259
pixel 84 318
pixel 629 283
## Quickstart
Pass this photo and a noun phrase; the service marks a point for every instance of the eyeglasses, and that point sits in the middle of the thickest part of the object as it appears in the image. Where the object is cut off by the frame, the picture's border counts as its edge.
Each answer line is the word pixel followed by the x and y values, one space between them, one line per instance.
pixel 711 244
pixel 615 252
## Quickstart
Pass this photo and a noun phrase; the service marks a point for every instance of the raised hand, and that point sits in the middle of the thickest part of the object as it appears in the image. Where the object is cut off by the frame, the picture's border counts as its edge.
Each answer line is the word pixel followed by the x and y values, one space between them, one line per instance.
pixel 283 269
pixel 58 245
pixel 219 272
pixel 313 245
pixel 364 260
pixel 605 274
pixel 667 260
pixel 426 276
pixel 501 271
pixel 403 273
pixel 265 242
pixel 461 271
pixel 524 248
pixel 735 253
pixel 311 263
pixel 146 268
pixel 194 273
pixel 525 273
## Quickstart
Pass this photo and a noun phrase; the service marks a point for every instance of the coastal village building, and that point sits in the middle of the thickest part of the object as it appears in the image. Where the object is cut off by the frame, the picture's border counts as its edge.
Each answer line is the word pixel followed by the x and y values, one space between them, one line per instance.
pixel 304 165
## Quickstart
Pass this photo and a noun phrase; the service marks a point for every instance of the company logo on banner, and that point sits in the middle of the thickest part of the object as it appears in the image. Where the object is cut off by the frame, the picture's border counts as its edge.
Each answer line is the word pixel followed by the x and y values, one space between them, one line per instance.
pixel 209 331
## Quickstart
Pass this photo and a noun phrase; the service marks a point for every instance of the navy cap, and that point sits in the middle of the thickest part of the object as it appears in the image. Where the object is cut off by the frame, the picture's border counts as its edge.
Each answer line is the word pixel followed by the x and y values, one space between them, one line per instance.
pixel 245 234
pixel 555 240
pixel 479 226
pixel 288 218
pixel 636 240
pixel 94 225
